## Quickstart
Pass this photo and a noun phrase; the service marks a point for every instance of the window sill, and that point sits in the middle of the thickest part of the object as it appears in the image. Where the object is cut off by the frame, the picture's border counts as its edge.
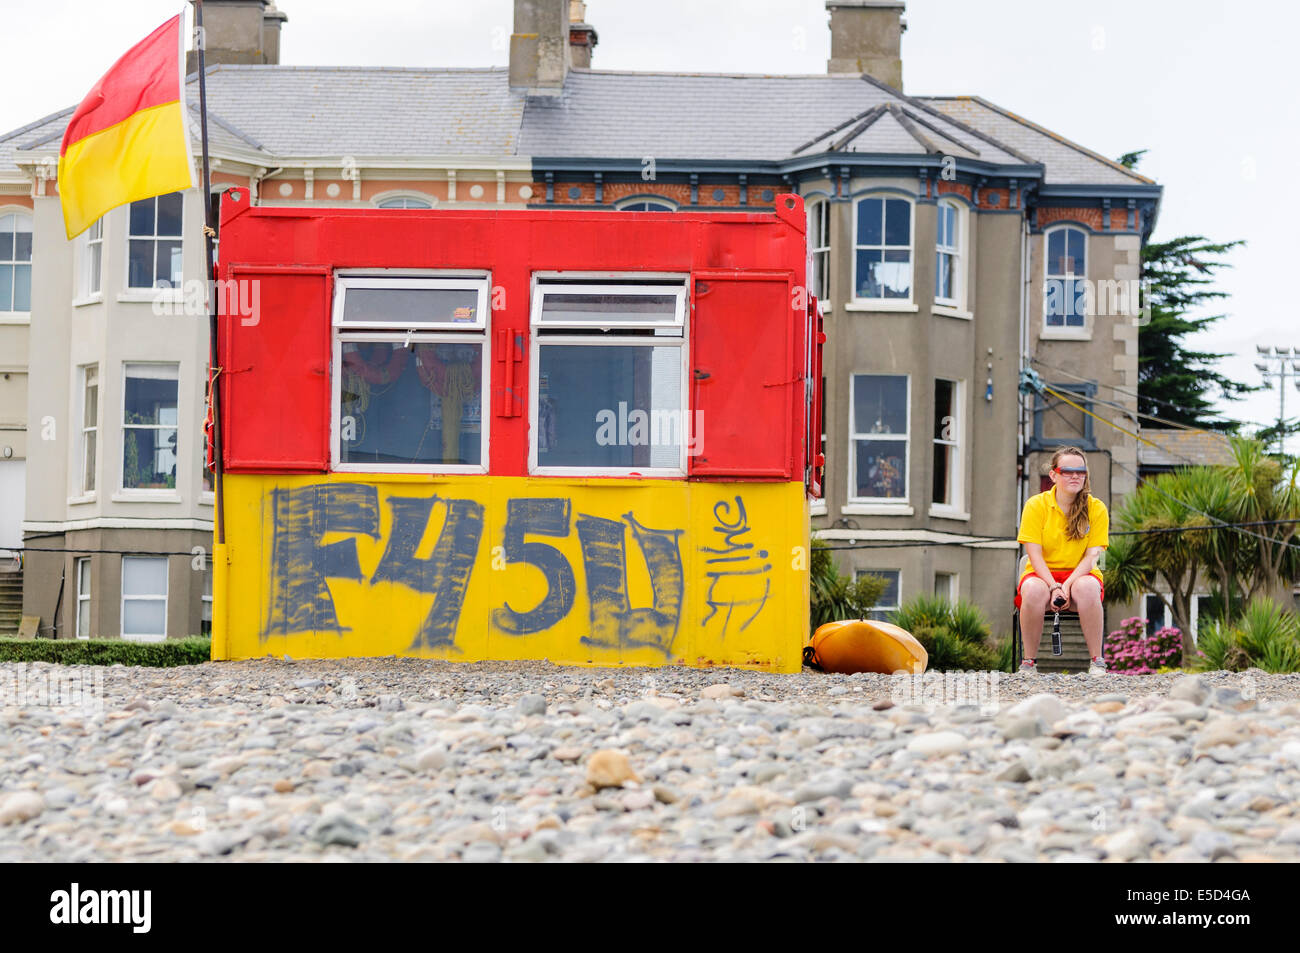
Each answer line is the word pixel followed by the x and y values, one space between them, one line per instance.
pixel 207 498
pixel 630 473
pixel 948 513
pixel 817 508
pixel 84 498
pixel 943 311
pixel 878 509
pixel 377 468
pixel 97 298
pixel 151 295
pixel 143 638
pixel 1065 334
pixel 899 307
pixel 146 496
pixel 15 317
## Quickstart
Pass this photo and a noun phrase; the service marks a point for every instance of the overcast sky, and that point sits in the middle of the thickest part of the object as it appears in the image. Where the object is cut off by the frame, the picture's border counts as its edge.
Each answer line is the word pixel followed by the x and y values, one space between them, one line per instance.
pixel 1207 86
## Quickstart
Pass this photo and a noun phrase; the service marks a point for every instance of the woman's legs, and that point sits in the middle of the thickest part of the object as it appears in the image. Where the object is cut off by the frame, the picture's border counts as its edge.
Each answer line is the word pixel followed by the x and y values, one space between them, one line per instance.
pixel 1033 605
pixel 1085 599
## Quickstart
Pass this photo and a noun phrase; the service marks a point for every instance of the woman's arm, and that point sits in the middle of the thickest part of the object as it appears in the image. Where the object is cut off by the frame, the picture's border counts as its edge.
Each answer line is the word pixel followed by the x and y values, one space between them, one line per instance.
pixel 1086 564
pixel 1035 553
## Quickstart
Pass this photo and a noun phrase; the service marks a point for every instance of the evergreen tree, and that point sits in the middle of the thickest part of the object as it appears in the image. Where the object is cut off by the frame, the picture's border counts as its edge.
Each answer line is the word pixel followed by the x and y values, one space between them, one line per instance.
pixel 1176 382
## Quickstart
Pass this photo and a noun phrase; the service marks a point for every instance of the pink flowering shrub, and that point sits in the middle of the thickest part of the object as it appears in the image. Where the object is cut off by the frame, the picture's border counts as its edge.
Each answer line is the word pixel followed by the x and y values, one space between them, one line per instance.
pixel 1129 652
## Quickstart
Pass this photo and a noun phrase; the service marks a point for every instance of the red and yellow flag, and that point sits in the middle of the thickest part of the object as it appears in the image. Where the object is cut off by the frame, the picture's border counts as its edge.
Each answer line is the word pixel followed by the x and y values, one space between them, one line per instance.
pixel 128 140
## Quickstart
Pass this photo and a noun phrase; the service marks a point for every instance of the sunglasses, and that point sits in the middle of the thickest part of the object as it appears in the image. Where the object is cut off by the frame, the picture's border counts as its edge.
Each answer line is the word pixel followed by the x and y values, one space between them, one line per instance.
pixel 1072 471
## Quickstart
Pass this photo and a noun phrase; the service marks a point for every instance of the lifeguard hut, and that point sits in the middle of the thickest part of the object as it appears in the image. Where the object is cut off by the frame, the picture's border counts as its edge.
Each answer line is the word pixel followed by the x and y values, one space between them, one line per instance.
pixel 589 437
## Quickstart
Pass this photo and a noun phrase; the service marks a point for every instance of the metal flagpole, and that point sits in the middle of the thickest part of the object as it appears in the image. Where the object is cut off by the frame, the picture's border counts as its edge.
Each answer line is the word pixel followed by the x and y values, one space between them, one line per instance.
pixel 219 556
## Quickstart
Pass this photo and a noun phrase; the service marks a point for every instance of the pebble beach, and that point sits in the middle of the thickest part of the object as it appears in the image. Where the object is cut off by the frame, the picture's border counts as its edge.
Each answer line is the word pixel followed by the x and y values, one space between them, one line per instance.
pixel 415 760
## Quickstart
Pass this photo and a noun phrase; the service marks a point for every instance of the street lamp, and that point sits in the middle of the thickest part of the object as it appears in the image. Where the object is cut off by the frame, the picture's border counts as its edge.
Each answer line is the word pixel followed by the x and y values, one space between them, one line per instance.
pixel 1280 363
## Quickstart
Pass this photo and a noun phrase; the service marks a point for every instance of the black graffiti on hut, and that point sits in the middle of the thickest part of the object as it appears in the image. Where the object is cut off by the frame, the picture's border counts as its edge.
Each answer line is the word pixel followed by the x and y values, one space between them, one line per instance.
pixel 614 624
pixel 445 573
pixel 734 584
pixel 300 564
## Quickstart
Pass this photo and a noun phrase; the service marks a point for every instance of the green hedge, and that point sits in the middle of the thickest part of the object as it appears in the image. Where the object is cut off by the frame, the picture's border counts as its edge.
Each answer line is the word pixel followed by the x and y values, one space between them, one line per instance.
pixel 166 654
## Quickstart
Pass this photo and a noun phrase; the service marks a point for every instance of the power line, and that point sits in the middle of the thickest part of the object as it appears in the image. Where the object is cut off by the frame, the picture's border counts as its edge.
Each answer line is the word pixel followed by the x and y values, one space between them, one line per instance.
pixel 1129 393
pixel 1218 523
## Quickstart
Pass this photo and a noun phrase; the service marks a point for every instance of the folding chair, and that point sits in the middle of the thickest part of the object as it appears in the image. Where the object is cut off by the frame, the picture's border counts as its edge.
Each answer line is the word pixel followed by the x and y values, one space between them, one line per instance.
pixel 1074 648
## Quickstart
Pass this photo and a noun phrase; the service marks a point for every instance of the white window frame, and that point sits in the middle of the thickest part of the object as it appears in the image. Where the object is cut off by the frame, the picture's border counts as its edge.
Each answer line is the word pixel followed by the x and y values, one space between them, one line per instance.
pixel 91 277
pixel 206 598
pixel 953 588
pixel 956 301
pixel 149 637
pixel 83 564
pixel 664 205
pixel 206 496
pixel 626 284
pixel 899 502
pixel 885 304
pixel 88 428
pixel 25 214
pixel 140 292
pixel 425 201
pixel 957 485
pixel 146 493
pixel 884 611
pixel 1166 617
pixel 819 249
pixel 818 507
pixel 1065 329
pixel 422 332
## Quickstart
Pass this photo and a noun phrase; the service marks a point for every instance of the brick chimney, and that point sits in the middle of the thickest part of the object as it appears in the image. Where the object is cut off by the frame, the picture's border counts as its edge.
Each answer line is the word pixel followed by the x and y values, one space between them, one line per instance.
pixel 239 31
pixel 866 37
pixel 582 35
pixel 539 47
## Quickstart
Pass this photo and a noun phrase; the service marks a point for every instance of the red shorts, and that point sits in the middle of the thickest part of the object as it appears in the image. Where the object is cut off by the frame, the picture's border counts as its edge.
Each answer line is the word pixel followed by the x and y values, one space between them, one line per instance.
pixel 1060 575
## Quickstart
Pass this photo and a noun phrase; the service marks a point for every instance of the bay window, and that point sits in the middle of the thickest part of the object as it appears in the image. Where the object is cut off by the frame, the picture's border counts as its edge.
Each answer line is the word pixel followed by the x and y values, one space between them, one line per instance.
pixel 819 248
pixel 154 242
pixel 948 275
pixel 878 415
pixel 149 427
pixel 89 426
pixel 1066 272
pixel 16 262
pixel 882 258
pixel 92 260
pixel 947 444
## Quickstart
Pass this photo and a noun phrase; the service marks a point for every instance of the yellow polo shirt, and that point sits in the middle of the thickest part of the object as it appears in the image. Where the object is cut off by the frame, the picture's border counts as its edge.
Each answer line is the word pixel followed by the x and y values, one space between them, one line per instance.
pixel 1043 522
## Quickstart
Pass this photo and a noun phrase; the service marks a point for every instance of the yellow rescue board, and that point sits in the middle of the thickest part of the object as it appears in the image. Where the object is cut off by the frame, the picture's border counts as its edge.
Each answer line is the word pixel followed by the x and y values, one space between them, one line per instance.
pixel 860 645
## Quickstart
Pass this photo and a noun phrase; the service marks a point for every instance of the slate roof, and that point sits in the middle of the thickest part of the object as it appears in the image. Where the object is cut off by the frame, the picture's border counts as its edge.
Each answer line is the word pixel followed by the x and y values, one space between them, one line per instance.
pixel 1181 448
pixel 366 111
pixel 1067 162
pixel 736 116
pixel 47 135
pixel 292 111
pixel 27 136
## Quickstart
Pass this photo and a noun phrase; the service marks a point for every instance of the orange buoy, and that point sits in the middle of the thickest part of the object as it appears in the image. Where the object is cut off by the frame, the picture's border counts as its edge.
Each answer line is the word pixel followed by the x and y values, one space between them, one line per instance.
pixel 862 645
